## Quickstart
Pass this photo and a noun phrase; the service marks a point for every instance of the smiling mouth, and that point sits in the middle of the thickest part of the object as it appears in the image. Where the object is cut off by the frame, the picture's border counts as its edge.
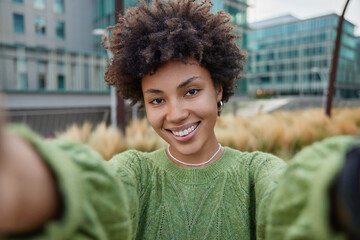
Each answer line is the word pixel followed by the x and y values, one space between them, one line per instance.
pixel 186 131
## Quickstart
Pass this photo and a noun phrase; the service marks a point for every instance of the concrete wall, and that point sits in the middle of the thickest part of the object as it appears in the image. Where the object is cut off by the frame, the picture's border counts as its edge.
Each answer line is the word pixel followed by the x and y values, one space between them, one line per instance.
pixel 78 18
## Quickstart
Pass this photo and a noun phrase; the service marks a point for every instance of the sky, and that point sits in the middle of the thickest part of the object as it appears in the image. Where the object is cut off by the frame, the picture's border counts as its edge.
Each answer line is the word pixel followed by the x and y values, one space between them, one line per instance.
pixel 264 9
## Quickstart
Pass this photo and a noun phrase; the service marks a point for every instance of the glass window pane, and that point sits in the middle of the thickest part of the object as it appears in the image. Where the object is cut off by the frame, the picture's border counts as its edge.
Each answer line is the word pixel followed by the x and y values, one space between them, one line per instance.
pixel 18 1
pixel 41 81
pixel 61 82
pixel 59 6
pixel 39 4
pixel 18 23
pixel 23 82
pixel 60 30
pixel 40 28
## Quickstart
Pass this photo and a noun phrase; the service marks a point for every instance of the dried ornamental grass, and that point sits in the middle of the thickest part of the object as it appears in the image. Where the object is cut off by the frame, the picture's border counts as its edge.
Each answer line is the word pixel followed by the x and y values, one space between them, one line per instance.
pixel 282 133
pixel 268 132
pixel 107 141
pixel 347 121
pixel 140 136
pixel 76 133
pixel 230 131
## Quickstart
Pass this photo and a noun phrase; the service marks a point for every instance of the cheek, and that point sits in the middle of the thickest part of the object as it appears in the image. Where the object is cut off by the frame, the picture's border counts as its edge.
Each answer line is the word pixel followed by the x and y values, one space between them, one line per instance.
pixel 207 107
pixel 154 118
pixel 207 112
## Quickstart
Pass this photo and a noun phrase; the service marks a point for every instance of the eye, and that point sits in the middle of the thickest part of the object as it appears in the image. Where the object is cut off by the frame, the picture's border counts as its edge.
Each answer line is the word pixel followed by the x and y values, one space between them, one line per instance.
pixel 156 101
pixel 192 92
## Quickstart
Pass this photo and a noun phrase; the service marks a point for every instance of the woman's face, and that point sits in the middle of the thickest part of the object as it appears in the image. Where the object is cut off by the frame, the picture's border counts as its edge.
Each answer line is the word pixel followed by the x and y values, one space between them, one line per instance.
pixel 181 106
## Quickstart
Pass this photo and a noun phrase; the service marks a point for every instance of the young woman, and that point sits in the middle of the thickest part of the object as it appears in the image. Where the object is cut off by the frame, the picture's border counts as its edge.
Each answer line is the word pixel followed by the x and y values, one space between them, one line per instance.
pixel 181 62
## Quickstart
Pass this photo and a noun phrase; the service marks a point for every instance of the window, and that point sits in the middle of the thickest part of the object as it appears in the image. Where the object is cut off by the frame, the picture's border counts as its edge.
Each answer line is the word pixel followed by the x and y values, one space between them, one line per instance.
pixel 59 6
pixel 41 69
pixel 23 82
pixel 87 77
pixel 41 82
pixel 18 1
pixel 265 79
pixel 40 28
pixel 61 82
pixel 60 29
pixel 39 4
pixel 18 23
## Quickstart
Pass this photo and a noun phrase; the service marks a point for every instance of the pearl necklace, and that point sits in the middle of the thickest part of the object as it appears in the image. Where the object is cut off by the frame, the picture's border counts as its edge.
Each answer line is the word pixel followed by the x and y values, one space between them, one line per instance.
pixel 193 164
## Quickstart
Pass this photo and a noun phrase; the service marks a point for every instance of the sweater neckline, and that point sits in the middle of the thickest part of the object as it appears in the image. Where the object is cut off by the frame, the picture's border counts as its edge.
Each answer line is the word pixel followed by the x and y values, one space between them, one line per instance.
pixel 192 175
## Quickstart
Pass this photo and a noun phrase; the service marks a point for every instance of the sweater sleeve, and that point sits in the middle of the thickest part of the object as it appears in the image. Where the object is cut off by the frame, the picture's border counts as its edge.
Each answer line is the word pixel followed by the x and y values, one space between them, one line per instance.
pixel 129 167
pixel 265 171
pixel 300 208
pixel 94 202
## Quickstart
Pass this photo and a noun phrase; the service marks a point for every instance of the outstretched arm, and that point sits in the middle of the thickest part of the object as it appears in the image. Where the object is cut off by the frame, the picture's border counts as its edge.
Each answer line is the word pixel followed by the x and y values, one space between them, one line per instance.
pixel 58 190
pixel 303 202
pixel 28 194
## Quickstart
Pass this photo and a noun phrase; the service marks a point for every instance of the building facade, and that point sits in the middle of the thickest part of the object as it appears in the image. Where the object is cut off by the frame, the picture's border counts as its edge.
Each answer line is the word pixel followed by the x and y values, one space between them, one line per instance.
pixel 289 56
pixel 53 65
pixel 238 12
pixel 358 55
pixel 105 9
pixel 47 46
pixel 48 64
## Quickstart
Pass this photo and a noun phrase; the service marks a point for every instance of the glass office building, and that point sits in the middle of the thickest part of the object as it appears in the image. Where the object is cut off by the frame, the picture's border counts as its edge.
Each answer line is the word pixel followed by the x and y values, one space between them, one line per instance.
pixel 358 55
pixel 238 12
pixel 288 56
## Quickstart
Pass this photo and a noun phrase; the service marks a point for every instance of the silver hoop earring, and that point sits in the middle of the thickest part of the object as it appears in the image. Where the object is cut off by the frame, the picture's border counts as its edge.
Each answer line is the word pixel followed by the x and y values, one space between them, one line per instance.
pixel 220 106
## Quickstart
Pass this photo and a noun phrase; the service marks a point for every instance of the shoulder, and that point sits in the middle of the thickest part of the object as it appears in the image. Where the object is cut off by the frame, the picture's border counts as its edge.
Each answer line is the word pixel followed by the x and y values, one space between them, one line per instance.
pixel 253 159
pixel 256 165
pixel 133 160
pixel 328 148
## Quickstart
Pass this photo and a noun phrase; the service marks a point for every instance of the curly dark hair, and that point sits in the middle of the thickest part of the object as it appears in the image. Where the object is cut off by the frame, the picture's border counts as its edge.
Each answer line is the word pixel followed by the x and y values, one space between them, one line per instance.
pixel 149 35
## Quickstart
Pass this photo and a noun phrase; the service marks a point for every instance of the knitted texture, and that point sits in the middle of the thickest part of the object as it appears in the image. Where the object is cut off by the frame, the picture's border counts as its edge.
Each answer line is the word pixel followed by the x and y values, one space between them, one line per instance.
pixel 146 196
pixel 228 199
pixel 94 202
pixel 301 205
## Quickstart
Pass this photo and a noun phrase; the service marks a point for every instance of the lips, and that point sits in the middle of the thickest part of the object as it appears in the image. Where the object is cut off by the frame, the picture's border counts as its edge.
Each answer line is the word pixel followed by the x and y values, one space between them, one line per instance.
pixel 184 130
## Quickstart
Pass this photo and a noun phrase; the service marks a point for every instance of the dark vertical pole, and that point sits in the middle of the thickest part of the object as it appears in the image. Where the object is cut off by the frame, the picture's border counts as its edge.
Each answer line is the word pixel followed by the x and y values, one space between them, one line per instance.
pixel 120 106
pixel 334 63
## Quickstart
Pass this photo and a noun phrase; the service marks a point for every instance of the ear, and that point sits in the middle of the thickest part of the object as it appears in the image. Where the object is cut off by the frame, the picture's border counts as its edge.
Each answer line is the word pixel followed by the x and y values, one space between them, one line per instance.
pixel 219 93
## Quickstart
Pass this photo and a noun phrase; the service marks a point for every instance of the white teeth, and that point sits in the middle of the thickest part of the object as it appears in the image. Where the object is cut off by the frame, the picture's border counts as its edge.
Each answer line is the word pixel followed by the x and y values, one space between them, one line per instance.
pixel 185 132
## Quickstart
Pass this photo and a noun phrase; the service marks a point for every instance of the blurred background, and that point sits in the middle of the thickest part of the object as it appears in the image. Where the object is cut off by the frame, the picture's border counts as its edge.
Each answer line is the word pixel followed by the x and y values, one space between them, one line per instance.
pixel 52 67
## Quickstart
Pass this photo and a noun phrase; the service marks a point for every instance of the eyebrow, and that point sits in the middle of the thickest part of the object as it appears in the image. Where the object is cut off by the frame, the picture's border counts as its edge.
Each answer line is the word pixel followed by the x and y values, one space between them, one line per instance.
pixel 181 85
pixel 186 82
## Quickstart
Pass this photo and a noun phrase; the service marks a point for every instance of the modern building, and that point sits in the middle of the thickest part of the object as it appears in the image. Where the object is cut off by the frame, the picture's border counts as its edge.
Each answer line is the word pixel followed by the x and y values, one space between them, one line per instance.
pixel 289 56
pixel 52 65
pixel 358 55
pixel 105 9
pixel 238 12
pixel 48 64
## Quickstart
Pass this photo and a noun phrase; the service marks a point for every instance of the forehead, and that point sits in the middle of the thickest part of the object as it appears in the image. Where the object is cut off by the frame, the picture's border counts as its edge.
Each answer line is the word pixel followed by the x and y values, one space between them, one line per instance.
pixel 173 73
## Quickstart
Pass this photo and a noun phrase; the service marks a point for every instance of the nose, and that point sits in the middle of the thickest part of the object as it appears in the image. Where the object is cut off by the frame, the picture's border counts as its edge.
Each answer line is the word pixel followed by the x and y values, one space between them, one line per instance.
pixel 176 112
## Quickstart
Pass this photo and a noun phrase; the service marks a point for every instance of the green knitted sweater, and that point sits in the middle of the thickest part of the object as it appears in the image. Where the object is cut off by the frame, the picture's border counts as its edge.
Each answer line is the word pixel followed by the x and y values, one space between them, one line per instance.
pixel 140 195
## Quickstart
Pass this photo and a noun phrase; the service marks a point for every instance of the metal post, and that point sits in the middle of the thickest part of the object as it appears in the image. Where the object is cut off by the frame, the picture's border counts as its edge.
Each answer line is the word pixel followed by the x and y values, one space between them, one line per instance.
pixel 101 32
pixel 121 109
pixel 113 106
pixel 334 63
